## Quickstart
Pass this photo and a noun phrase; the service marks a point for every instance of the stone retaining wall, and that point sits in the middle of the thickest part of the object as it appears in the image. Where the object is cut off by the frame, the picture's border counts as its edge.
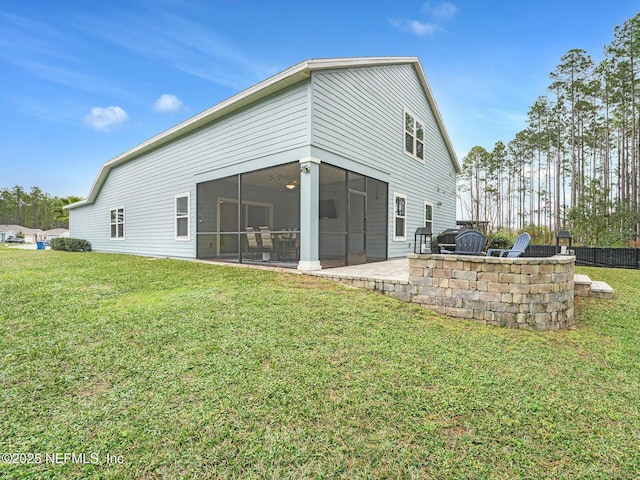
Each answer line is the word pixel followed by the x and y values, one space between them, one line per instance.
pixel 529 293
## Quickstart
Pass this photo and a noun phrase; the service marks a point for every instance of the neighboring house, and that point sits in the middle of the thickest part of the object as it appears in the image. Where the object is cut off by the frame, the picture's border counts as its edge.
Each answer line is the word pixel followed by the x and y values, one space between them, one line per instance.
pixel 31 235
pixel 6 233
pixel 342 159
pixel 56 233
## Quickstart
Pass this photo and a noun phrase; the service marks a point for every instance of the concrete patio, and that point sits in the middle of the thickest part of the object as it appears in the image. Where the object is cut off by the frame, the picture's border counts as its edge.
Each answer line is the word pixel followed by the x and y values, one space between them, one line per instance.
pixel 391 270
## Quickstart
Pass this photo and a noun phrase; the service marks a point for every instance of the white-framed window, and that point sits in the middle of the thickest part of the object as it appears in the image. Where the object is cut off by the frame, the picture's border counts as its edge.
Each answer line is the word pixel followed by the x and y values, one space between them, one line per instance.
pixel 116 220
pixel 413 136
pixel 399 217
pixel 182 214
pixel 428 215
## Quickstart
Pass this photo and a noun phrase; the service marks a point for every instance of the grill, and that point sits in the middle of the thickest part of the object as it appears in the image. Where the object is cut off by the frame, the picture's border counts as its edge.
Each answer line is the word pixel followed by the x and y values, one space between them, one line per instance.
pixel 448 237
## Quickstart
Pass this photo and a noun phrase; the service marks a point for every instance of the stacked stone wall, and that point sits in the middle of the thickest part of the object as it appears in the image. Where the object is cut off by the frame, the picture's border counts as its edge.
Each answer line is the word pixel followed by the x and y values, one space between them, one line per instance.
pixel 529 293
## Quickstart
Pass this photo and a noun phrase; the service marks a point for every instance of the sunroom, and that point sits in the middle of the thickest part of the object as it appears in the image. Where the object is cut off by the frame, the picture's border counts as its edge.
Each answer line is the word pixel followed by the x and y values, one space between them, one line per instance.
pixel 256 217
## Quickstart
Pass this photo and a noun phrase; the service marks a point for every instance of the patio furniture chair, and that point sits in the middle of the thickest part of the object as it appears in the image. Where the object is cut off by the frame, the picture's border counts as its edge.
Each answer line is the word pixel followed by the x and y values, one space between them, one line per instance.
pixel 519 246
pixel 267 243
pixel 469 242
pixel 253 241
pixel 292 246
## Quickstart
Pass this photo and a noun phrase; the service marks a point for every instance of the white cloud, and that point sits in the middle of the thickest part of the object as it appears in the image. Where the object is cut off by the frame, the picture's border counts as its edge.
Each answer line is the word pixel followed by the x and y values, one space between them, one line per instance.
pixel 102 119
pixel 168 103
pixel 435 13
pixel 417 27
pixel 424 28
pixel 442 11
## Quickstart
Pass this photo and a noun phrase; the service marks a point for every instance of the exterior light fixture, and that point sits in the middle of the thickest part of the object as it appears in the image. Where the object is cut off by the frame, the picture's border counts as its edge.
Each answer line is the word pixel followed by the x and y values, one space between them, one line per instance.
pixel 563 249
pixel 422 240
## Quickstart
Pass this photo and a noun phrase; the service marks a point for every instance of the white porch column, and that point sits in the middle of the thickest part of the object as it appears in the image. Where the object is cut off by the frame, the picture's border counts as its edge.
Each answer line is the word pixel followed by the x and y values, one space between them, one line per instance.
pixel 309 214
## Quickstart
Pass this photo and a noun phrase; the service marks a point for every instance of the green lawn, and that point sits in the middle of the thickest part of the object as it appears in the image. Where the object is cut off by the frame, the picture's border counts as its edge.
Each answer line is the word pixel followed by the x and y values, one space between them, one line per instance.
pixel 187 370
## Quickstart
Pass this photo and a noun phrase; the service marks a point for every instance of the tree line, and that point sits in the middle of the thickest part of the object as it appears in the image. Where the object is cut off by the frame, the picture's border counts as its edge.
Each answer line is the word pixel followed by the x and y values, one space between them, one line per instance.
pixel 34 208
pixel 576 165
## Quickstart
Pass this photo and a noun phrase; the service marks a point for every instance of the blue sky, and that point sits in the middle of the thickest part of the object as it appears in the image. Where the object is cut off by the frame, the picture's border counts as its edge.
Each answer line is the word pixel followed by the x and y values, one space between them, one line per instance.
pixel 83 81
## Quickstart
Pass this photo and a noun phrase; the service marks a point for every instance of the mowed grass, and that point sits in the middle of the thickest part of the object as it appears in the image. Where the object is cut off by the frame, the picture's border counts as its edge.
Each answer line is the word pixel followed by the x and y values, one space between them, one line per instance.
pixel 188 370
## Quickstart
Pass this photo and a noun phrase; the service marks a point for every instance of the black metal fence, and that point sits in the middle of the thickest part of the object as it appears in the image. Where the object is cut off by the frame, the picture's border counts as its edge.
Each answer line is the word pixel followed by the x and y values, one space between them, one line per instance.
pixel 593 256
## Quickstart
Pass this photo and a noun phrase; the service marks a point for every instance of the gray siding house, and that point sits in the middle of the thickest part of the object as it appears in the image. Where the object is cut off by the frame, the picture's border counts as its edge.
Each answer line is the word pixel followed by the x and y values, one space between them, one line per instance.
pixel 330 162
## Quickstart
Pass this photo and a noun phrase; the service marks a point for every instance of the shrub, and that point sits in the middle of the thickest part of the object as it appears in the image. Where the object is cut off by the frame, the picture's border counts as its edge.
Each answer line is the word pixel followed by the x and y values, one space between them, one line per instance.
pixel 78 245
pixel 58 243
pixel 70 244
pixel 499 241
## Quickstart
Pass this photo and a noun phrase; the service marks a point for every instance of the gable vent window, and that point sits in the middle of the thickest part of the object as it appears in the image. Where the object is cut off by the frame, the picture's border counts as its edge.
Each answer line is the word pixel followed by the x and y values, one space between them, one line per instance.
pixel 183 207
pixel 116 216
pixel 413 136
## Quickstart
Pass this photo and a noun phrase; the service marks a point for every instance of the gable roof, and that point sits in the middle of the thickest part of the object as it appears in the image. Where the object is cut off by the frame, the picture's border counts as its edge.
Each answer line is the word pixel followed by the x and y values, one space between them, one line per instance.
pixel 19 228
pixel 277 82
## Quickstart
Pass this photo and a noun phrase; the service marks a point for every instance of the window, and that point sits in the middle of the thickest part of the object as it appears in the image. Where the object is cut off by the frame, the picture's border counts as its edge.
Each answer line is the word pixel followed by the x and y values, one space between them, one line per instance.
pixel 117 223
pixel 428 215
pixel 399 217
pixel 413 136
pixel 183 208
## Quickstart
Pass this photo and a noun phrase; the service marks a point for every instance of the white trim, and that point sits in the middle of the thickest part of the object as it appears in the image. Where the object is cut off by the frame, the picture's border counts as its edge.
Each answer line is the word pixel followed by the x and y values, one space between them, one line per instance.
pixel 424 212
pixel 310 160
pixel 123 223
pixel 309 266
pixel 416 120
pixel 406 208
pixel 436 112
pixel 176 217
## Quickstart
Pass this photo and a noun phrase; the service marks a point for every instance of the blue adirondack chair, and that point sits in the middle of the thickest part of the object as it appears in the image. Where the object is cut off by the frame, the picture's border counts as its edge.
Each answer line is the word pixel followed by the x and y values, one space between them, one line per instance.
pixel 469 242
pixel 519 246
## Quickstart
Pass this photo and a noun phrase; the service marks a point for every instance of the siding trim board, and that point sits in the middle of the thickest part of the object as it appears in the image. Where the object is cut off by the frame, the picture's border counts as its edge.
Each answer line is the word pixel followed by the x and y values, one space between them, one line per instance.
pixel 351 165
pixel 253 164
